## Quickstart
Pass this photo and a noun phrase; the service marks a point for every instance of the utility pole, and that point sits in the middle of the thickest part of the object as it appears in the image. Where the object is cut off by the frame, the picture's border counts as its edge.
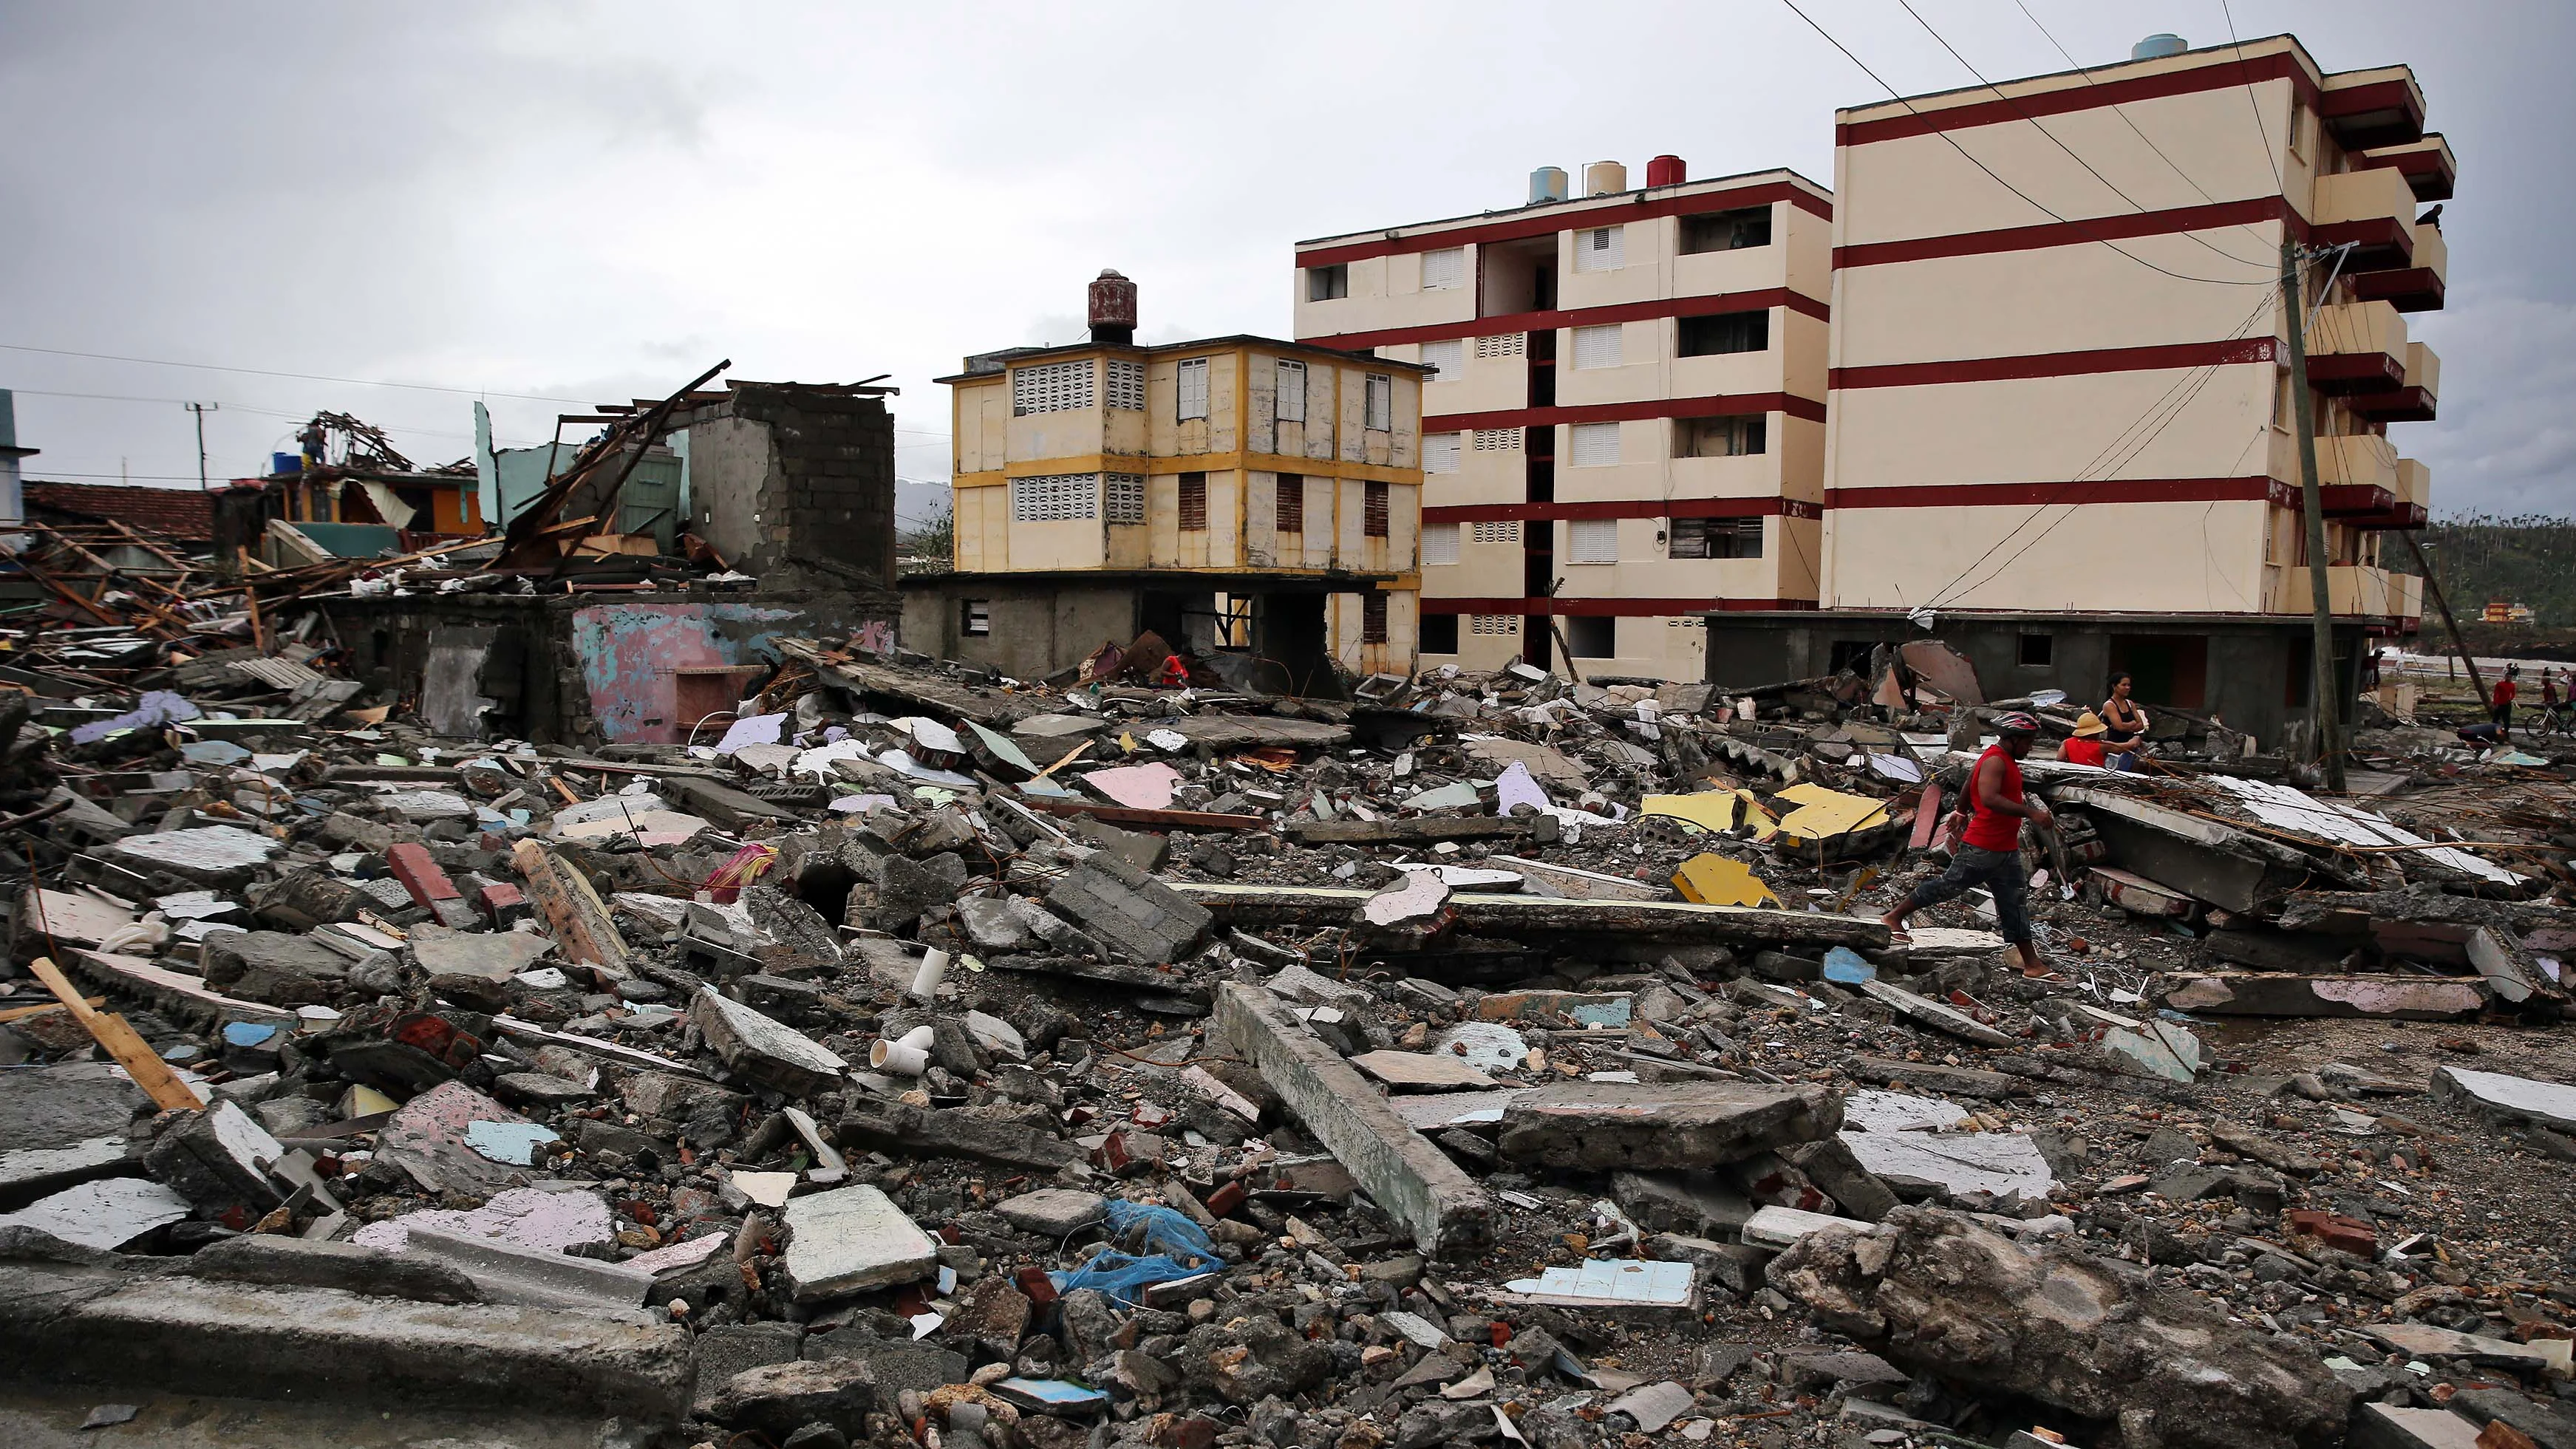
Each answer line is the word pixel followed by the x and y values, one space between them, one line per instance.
pixel 2320 590
pixel 201 409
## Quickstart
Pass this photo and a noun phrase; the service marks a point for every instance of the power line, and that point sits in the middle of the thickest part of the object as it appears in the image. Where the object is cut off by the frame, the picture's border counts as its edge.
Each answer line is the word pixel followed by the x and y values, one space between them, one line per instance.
pixel 2251 103
pixel 2079 228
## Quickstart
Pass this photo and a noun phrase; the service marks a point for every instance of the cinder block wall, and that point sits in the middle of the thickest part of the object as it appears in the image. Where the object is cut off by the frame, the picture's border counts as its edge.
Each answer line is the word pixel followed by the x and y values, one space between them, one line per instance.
pixel 796 486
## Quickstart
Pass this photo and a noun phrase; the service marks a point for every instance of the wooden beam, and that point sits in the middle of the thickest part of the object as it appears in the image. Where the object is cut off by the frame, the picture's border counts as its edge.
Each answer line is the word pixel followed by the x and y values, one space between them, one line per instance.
pixel 144 1065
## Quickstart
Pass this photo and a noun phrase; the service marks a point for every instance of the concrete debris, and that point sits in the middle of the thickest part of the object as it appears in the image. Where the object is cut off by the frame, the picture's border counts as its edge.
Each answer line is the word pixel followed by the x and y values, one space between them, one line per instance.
pixel 852 1239
pixel 1601 1127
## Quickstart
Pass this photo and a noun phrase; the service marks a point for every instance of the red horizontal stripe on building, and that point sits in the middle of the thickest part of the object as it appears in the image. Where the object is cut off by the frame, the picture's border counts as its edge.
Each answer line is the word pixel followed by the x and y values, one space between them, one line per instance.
pixel 1565 217
pixel 1612 608
pixel 2219 73
pixel 2103 490
pixel 2057 364
pixel 1761 300
pixel 1722 406
pixel 2207 217
pixel 1623 508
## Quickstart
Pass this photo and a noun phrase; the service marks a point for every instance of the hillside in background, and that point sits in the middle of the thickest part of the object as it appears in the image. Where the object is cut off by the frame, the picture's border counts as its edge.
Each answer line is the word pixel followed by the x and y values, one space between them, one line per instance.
pixel 2527 560
pixel 917 505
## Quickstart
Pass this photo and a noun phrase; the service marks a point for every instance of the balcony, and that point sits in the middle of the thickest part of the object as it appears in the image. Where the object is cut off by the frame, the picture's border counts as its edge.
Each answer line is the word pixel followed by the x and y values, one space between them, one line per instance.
pixel 2356 475
pixel 2373 211
pixel 2412 402
pixel 2356 348
pixel 2368 110
pixel 2352 591
pixel 2426 165
pixel 2416 287
pixel 2413 490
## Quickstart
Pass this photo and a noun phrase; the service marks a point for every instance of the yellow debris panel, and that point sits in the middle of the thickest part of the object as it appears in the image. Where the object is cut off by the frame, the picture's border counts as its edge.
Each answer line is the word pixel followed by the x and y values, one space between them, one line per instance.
pixel 1710 879
pixel 1764 823
pixel 1709 809
pixel 1822 812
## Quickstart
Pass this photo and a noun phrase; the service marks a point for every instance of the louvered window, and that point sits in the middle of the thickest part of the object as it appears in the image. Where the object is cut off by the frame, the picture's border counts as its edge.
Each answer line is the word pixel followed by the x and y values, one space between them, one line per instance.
pixel 1498 532
pixel 1372 618
pixel 1445 359
pixel 1193 389
pixel 1292 393
pixel 1052 388
pixel 1440 452
pixel 1596 445
pixel 1055 497
pixel 1439 543
pixel 1444 270
pixel 1380 416
pixel 1127 385
pixel 1373 510
pixel 1125 497
pixel 1193 502
pixel 1601 249
pixel 1498 440
pixel 1499 344
pixel 1598 346
pixel 1594 541
pixel 1292 503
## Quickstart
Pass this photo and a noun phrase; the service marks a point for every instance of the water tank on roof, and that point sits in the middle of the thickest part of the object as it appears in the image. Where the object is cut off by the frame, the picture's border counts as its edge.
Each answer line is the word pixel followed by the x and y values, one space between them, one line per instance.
pixel 2157 46
pixel 1604 178
pixel 285 463
pixel 1666 171
pixel 1547 183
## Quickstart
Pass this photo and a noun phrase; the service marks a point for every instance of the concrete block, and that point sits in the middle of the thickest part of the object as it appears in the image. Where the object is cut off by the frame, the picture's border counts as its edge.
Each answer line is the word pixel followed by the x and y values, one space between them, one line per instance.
pixel 62 1125
pixel 765 1051
pixel 1131 912
pixel 275 967
pixel 2378 1426
pixel 852 1239
pixel 217 1159
pixel 1601 1127
pixel 737 1348
pixel 1416 1183
pixel 506 1272
pixel 279 1260
pixel 1053 1212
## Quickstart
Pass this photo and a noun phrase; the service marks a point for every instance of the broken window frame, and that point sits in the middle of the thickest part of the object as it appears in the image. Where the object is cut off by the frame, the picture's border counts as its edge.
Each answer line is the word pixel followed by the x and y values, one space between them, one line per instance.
pixel 1735 229
pixel 1328 284
pixel 1713 538
pixel 1723 334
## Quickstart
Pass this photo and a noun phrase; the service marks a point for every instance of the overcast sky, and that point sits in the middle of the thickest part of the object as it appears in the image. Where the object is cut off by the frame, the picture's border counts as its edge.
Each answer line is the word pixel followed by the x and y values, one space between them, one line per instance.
pixel 591 202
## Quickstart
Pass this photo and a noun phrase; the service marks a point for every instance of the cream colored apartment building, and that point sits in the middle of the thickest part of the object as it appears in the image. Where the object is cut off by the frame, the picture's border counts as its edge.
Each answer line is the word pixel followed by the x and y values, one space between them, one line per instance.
pixel 2060 374
pixel 1248 493
pixel 1624 413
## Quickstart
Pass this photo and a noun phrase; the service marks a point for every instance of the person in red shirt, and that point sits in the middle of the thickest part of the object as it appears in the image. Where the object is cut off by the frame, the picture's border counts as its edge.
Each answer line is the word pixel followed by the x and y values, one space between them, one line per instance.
pixel 1989 851
pixel 1175 673
pixel 2086 746
pixel 2505 691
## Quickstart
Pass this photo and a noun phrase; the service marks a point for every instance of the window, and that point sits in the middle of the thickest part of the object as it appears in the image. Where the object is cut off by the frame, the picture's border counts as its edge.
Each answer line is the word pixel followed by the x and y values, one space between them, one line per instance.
pixel 1439 543
pixel 2298 129
pixel 1323 284
pixel 1444 270
pixel 2038 651
pixel 1598 346
pixel 1726 231
pixel 1494 624
pixel 1054 387
pixel 1193 389
pixel 1373 510
pixel 1594 541
pixel 1596 445
pixel 2285 405
pixel 1292 503
pixel 1601 249
pixel 1193 502
pixel 975 617
pixel 1440 453
pixel 1713 538
pixel 1292 393
pixel 1726 332
pixel 1499 344
pixel 1592 636
pixel 1503 532
pixel 1723 437
pixel 1439 633
pixel 1498 440
pixel 1125 497
pixel 1055 497
pixel 1127 385
pixel 1445 359
pixel 1372 618
pixel 1380 416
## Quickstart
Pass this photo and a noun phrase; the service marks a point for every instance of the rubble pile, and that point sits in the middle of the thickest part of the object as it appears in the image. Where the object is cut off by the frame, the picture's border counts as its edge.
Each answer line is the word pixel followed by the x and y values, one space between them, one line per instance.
pixel 943 1059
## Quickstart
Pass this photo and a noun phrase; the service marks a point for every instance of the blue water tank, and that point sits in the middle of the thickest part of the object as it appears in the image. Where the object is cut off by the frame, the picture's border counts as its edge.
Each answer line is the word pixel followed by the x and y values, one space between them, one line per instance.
pixel 1547 183
pixel 285 463
pixel 2157 46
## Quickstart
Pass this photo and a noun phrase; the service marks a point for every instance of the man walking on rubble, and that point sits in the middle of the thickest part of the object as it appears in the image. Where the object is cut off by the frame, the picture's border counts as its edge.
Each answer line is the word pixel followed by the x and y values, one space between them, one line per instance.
pixel 1989 852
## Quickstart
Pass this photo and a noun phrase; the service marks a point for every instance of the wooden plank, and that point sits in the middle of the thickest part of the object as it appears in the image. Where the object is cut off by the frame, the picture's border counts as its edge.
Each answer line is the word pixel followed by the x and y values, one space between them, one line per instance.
pixel 141 1063
pixel 572 909
pixel 1156 819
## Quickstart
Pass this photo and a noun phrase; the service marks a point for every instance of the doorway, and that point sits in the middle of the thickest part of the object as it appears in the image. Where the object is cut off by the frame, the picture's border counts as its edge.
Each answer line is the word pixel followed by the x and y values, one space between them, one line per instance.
pixel 2166 668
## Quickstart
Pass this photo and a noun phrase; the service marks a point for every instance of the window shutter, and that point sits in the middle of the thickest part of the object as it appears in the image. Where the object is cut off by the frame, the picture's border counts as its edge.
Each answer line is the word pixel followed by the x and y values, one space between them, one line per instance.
pixel 1193 502
pixel 1444 270
pixel 1594 540
pixel 1193 389
pixel 1598 346
pixel 1380 416
pixel 1446 359
pixel 1291 489
pixel 1439 543
pixel 1601 249
pixel 1440 452
pixel 1372 618
pixel 1291 404
pixel 1596 445
pixel 1373 510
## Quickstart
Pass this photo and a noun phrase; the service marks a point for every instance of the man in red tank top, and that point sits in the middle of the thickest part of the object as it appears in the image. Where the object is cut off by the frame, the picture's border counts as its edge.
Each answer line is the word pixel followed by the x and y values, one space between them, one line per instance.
pixel 1989 851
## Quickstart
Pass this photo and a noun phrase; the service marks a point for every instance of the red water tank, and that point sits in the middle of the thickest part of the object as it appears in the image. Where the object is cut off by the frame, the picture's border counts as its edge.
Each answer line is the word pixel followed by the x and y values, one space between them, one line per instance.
pixel 1666 171
pixel 1113 308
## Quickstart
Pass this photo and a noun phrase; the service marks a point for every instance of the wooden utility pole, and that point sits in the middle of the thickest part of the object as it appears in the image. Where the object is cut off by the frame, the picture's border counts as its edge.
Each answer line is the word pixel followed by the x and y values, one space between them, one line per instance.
pixel 2434 586
pixel 201 409
pixel 2320 590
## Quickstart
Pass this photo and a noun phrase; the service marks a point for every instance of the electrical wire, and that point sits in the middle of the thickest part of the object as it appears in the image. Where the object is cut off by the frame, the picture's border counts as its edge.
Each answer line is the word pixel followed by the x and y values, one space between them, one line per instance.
pixel 2079 227
pixel 2134 204
pixel 2251 103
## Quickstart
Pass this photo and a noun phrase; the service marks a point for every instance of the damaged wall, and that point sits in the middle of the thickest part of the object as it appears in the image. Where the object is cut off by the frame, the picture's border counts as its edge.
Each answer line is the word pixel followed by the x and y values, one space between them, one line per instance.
pixel 1030 629
pixel 796 485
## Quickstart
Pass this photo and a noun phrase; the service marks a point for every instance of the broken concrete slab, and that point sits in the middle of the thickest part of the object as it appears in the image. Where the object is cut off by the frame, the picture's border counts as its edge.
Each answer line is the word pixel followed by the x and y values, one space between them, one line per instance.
pixel 528 1217
pixel 62 1125
pixel 275 967
pixel 1421 1071
pixel 1602 1127
pixel 1416 1184
pixel 1131 912
pixel 2516 1099
pixel 104 1215
pixel 426 1139
pixel 776 1401
pixel 2423 1340
pixel 2397 998
pixel 852 1239
pixel 2386 1426
pixel 505 1272
pixel 1053 1212
pixel 1934 1014
pixel 486 956
pixel 768 1052
pixel 218 1158
pixel 224 857
pixel 1886 1131
pixel 996 1133
pixel 1526 917
pixel 290 1262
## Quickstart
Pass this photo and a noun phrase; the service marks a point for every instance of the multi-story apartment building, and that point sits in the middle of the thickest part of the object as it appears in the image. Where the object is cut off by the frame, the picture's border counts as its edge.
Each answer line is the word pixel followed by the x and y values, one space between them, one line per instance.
pixel 1239 494
pixel 2061 384
pixel 1624 420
